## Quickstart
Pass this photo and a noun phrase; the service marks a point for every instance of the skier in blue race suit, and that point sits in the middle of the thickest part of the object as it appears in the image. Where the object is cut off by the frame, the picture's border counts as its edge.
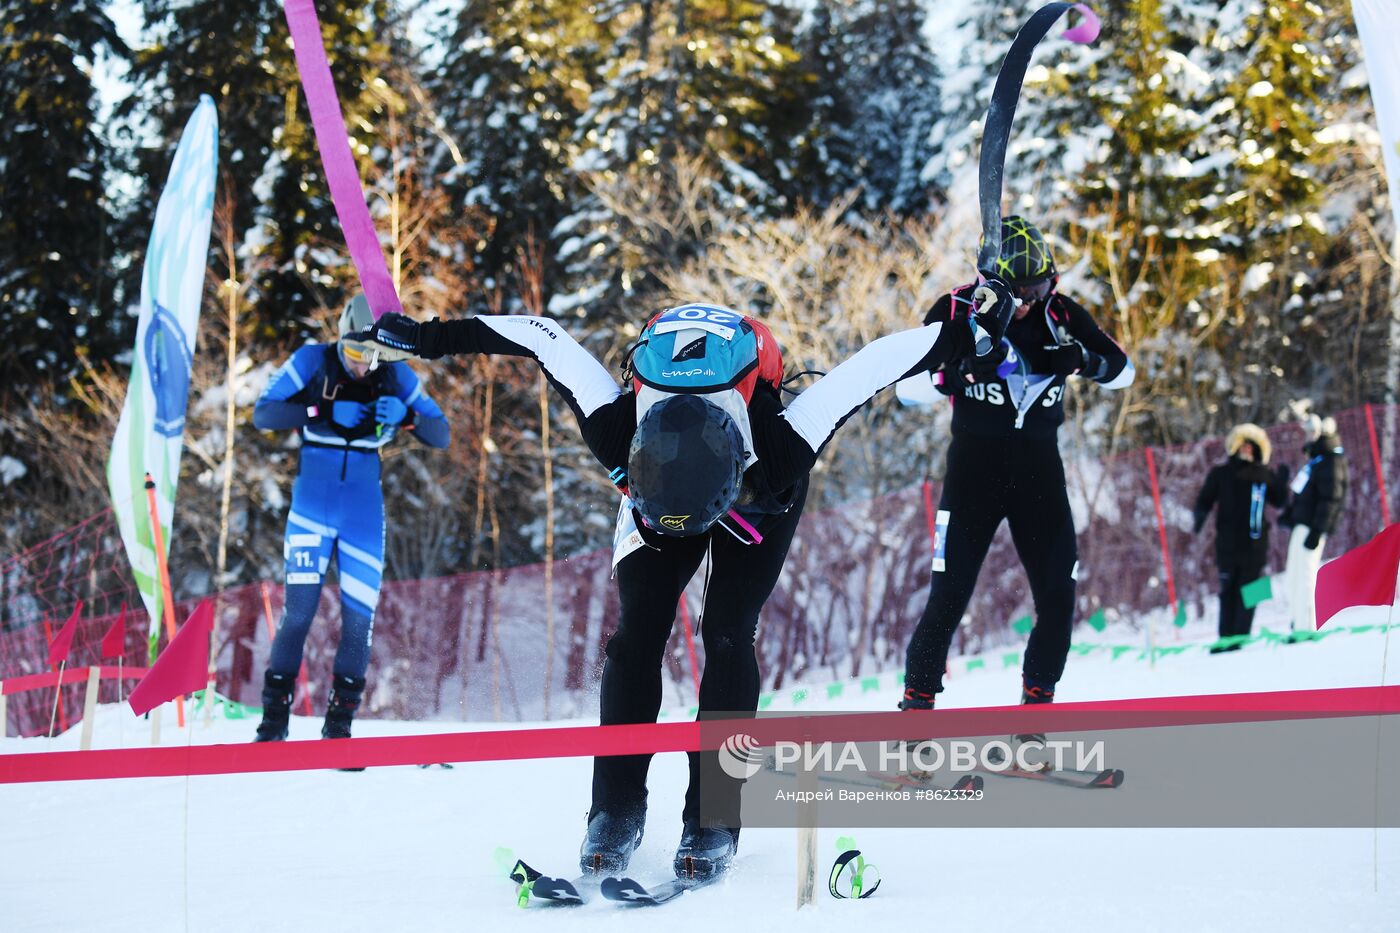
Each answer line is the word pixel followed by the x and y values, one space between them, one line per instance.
pixel 345 413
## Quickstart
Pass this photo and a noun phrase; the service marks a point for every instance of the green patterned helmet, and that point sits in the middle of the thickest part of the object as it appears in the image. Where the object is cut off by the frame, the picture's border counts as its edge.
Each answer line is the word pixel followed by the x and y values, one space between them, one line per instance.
pixel 1025 256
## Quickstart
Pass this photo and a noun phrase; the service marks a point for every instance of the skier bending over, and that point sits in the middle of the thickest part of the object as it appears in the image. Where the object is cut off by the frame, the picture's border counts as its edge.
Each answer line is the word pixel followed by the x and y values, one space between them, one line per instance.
pixel 1004 463
pixel 345 413
pixel 707 458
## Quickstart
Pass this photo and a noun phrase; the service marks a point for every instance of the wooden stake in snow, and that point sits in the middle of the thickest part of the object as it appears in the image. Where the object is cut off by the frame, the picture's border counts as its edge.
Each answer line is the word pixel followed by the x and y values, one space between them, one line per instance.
pixel 806 830
pixel 90 706
pixel 226 501
pixel 57 693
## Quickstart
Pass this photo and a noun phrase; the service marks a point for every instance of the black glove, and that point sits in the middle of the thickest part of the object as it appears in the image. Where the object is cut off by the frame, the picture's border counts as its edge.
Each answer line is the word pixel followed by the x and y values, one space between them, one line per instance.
pixel 1066 359
pixel 995 303
pixel 1313 539
pixel 400 337
pixel 975 369
pixel 947 381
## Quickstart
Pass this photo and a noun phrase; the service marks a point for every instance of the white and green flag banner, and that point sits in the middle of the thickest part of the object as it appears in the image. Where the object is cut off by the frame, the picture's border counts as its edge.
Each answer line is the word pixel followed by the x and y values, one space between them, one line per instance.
pixel 151 430
pixel 1378 22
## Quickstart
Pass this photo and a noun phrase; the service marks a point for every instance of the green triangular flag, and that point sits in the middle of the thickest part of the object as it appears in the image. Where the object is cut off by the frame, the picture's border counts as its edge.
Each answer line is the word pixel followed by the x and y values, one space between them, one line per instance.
pixel 1023 625
pixel 1011 659
pixel 1120 650
pixel 974 664
pixel 834 690
pixel 1180 618
pixel 1097 621
pixel 799 695
pixel 1255 593
pixel 765 701
pixel 868 684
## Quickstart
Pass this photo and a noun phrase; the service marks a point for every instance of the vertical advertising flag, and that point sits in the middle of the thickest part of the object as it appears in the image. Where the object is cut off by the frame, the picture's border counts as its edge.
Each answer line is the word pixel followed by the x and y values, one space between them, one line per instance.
pixel 150 432
pixel 1378 22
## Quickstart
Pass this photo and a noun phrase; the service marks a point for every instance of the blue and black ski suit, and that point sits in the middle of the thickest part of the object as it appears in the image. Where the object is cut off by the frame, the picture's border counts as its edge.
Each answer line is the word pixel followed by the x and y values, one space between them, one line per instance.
pixel 337 503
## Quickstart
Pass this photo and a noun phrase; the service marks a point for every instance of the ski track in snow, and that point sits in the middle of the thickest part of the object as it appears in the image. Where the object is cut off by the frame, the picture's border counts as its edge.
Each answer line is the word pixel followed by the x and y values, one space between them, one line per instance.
pixel 412 849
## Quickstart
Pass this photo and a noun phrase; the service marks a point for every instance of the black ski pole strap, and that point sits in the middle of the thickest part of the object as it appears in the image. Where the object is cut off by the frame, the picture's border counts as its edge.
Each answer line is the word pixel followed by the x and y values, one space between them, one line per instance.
pixel 842 863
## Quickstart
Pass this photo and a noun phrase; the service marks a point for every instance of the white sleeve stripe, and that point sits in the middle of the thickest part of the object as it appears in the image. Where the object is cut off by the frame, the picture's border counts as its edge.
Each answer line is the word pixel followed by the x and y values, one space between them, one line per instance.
pixel 413 396
pixel 1123 379
pixel 290 369
pixel 817 411
pixel 561 357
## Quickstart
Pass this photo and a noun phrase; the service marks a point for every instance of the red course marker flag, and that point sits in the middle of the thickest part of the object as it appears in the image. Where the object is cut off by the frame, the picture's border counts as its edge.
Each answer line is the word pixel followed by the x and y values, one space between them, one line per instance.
pixel 114 642
pixel 63 641
pixel 183 667
pixel 1363 576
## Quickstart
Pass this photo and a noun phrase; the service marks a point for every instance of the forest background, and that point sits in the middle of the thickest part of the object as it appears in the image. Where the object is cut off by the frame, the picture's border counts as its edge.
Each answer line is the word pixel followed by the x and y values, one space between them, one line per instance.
pixel 1208 173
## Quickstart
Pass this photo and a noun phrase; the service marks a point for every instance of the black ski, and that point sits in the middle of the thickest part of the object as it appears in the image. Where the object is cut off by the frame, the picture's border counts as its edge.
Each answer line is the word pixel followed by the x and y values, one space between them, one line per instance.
pixel 630 891
pixel 532 885
pixel 914 780
pixel 1108 778
pixel 889 780
pixel 996 135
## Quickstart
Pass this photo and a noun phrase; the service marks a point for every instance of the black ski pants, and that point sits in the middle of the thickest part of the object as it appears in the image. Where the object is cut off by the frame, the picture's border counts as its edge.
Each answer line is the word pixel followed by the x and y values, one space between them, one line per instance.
pixel 650 581
pixel 1235 619
pixel 1021 480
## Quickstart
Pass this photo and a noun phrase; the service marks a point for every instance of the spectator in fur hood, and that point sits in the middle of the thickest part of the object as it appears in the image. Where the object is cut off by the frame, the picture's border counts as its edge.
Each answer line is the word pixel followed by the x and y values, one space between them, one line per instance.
pixel 1238 490
pixel 1319 491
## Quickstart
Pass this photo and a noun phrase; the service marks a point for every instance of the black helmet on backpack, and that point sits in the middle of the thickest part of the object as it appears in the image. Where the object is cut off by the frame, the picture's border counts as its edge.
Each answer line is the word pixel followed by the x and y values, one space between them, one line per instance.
pixel 685 466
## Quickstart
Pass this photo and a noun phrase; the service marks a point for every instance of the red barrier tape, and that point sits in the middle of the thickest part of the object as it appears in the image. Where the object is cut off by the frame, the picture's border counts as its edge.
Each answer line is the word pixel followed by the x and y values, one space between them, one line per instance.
pixel 568 742
pixel 73 675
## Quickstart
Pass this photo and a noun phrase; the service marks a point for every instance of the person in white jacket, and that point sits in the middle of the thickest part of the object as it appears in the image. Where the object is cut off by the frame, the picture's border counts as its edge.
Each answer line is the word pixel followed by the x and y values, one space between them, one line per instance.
pixel 1319 490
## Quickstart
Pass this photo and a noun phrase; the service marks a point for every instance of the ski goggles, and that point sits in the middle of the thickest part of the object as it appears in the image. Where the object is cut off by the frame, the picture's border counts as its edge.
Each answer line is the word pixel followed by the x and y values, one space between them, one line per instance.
pixel 355 351
pixel 1034 291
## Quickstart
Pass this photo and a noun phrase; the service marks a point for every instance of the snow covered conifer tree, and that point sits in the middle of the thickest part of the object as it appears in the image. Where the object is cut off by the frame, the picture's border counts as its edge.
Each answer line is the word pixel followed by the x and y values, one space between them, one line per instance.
pixel 681 78
pixel 508 92
pixel 56 285
pixel 241 54
pixel 870 104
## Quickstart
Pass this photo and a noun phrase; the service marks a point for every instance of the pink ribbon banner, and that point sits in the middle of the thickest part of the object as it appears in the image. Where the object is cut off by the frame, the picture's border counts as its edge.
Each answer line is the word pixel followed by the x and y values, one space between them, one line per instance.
pixel 342 175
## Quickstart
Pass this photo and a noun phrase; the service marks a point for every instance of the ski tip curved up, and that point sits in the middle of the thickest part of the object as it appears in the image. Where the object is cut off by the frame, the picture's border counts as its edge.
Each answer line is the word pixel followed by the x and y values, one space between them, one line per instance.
pixel 1088 27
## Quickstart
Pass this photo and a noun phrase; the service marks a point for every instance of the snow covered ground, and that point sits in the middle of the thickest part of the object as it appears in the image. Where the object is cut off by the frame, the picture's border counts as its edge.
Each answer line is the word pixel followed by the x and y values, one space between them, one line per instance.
pixel 412 849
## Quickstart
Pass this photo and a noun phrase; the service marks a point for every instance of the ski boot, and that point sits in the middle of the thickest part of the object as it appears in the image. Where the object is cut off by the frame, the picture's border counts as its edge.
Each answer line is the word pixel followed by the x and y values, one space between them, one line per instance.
pixel 1033 694
pixel 705 851
pixel 277 707
pixel 917 700
pixel 608 844
pixel 340 711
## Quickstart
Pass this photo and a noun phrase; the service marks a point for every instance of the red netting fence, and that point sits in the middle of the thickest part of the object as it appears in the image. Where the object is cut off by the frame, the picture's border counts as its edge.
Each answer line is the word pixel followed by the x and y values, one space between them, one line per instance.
pixel 474 647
